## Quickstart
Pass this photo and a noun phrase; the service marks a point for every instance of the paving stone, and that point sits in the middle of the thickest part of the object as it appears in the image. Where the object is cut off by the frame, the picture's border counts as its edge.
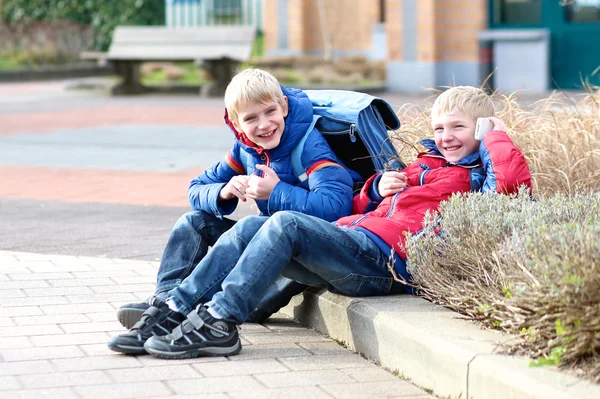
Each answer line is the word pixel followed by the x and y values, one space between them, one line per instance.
pixel 69 379
pixel 62 393
pixel 82 282
pixel 4 277
pixel 323 348
pixel 6 322
pixel 17 331
pixel 270 351
pixel 102 316
pixel 95 349
pixel 165 372
pixel 15 342
pixel 20 311
pixel 135 280
pixel 12 355
pixel 124 288
pixel 214 384
pixel 41 276
pixel 115 361
pixel 241 367
pixel 124 265
pixel 370 374
pixel 37 301
pixel 92 327
pixel 347 360
pixel 16 268
pixel 271 338
pixel 382 389
pixel 18 285
pixel 128 390
pixel 46 292
pixel 11 294
pixel 8 383
pixel 22 368
pixel 53 319
pixel 196 396
pixel 48 267
pixel 253 328
pixel 302 378
pixel 154 361
pixel 101 298
pixel 282 393
pixel 105 274
pixel 70 339
pixel 79 308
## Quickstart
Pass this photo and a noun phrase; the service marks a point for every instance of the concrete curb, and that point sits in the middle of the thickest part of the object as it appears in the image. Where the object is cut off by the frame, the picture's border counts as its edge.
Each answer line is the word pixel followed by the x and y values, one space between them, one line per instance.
pixel 433 347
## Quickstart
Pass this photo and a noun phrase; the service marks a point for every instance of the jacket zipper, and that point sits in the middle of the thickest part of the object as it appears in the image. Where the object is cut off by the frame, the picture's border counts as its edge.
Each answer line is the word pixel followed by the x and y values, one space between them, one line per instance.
pixel 389 213
pixel 265 157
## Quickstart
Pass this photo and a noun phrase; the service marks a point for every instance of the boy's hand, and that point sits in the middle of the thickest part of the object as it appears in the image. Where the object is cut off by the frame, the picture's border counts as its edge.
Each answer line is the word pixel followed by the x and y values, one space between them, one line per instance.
pixel 391 183
pixel 236 187
pixel 261 187
pixel 498 123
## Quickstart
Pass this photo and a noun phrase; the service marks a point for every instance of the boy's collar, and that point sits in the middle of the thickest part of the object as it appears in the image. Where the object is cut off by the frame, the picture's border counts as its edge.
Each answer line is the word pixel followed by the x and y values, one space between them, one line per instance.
pixel 466 161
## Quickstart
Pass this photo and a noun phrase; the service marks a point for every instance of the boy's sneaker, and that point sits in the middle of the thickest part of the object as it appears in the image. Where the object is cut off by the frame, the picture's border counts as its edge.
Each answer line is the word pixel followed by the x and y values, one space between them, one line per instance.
pixel 131 313
pixel 200 335
pixel 157 320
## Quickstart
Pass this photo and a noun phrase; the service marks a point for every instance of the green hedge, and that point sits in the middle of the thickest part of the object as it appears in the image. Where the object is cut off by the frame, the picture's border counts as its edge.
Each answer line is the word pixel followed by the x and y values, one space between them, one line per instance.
pixel 102 15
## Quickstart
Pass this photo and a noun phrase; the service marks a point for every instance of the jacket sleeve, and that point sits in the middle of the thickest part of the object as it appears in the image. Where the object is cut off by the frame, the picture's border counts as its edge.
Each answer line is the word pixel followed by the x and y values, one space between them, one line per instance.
pixel 203 192
pixel 505 166
pixel 329 195
pixel 369 198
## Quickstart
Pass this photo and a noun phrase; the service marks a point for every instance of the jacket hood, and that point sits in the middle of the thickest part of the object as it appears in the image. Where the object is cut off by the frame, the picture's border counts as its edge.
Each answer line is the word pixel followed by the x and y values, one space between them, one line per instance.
pixel 297 121
pixel 432 149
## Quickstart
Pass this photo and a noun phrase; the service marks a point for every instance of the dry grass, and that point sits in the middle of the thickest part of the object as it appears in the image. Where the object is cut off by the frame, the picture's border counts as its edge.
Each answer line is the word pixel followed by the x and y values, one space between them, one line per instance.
pixel 559 136
pixel 528 267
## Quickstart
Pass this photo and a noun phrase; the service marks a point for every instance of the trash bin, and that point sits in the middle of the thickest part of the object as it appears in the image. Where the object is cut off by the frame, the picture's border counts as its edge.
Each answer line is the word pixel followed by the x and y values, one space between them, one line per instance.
pixel 520 58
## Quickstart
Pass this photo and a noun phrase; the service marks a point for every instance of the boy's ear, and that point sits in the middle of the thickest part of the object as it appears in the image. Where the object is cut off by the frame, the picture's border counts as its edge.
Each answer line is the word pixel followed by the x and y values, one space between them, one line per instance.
pixel 285 107
pixel 236 125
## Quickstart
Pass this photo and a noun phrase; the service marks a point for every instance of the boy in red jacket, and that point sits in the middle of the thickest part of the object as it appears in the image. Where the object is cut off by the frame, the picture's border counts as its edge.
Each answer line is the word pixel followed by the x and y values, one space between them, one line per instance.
pixel 349 256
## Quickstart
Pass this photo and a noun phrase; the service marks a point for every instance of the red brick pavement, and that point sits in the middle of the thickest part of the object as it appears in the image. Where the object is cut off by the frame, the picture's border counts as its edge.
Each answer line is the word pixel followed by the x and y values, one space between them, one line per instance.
pixel 88 185
pixel 108 115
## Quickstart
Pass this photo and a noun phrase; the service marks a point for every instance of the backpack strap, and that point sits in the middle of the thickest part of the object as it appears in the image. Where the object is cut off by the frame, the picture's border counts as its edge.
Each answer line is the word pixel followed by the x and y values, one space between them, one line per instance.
pixel 296 159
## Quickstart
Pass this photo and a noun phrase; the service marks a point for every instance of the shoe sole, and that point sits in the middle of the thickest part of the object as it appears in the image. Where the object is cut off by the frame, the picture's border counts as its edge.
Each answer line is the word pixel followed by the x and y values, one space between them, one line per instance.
pixel 128 350
pixel 200 352
pixel 128 317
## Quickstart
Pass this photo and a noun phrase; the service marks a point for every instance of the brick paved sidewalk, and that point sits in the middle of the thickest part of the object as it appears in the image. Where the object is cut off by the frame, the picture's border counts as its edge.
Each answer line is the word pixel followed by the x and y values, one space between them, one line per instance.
pixel 58 313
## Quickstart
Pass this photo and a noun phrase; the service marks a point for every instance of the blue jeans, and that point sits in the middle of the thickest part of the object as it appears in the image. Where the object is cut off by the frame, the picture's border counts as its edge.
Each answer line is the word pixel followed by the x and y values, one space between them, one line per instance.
pixel 249 257
pixel 192 235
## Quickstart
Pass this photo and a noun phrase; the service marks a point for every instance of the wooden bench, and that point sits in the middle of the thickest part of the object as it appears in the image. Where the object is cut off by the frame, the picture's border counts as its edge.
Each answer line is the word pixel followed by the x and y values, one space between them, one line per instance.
pixel 218 49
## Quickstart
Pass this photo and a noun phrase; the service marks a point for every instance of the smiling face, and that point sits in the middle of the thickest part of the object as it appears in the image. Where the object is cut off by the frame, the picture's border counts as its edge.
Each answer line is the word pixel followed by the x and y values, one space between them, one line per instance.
pixel 263 123
pixel 454 135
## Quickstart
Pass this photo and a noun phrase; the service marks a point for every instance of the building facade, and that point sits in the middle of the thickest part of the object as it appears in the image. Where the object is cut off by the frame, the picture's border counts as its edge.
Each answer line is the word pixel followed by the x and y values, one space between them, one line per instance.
pixel 538 44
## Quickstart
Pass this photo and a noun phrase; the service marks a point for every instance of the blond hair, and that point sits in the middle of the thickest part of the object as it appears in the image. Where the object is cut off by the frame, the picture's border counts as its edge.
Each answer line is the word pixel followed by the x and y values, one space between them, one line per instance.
pixel 251 86
pixel 470 100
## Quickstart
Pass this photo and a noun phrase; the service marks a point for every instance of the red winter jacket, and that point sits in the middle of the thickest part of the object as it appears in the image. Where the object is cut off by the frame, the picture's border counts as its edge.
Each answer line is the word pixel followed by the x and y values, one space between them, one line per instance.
pixel 431 180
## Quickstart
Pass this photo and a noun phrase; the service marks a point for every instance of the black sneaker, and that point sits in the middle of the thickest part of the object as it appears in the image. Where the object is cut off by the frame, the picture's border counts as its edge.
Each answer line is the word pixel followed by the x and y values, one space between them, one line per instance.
pixel 200 335
pixel 157 320
pixel 131 313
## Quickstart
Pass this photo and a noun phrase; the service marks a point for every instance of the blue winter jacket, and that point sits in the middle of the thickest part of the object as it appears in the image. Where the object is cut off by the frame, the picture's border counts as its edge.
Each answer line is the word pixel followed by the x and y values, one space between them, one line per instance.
pixel 330 186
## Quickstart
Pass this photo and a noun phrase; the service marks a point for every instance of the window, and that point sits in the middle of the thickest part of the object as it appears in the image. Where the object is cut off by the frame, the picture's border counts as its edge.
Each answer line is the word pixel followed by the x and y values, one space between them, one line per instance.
pixel 225 8
pixel 517 12
pixel 582 11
